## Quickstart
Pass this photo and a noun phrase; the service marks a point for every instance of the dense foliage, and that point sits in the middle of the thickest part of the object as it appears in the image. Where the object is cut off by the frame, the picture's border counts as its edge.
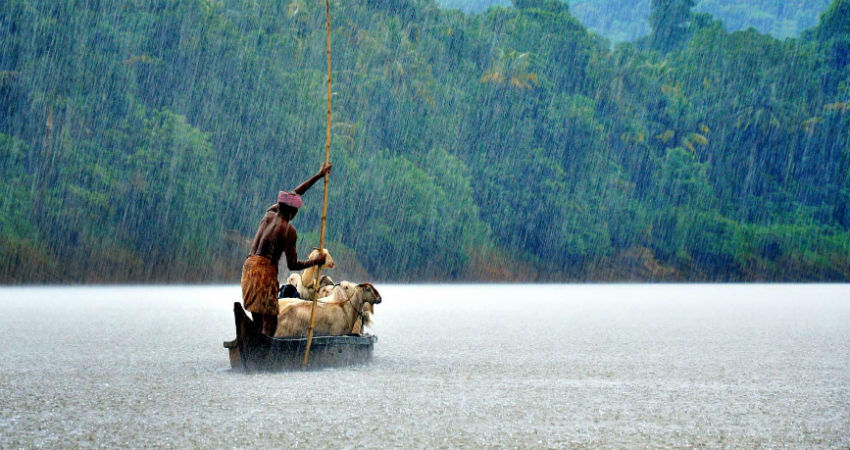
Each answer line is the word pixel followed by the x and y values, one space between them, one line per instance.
pixel 626 20
pixel 144 141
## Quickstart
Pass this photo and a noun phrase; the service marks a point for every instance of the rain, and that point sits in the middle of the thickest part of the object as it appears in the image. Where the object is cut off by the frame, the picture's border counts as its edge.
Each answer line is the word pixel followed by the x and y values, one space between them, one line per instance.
pixel 655 159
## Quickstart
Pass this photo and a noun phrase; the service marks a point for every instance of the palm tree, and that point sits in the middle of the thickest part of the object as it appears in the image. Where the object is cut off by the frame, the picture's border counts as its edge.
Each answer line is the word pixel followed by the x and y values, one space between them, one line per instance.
pixel 511 68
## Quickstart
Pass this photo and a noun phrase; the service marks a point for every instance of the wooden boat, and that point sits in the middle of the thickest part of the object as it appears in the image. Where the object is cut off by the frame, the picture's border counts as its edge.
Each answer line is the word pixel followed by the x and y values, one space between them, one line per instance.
pixel 254 351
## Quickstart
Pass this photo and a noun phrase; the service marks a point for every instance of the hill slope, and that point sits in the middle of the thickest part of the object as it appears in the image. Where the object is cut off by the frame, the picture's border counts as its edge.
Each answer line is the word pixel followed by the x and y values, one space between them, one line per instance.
pixel 626 20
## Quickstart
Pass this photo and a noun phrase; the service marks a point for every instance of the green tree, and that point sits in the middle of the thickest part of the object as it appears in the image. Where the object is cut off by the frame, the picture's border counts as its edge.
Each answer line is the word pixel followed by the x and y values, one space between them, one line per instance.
pixel 670 21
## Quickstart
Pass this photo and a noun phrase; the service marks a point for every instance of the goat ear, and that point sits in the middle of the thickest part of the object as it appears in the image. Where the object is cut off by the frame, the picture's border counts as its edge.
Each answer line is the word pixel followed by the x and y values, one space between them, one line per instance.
pixel 371 288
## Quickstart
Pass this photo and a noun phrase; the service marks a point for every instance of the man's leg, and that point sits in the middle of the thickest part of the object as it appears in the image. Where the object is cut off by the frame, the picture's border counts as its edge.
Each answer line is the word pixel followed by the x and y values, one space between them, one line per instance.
pixel 269 324
pixel 258 320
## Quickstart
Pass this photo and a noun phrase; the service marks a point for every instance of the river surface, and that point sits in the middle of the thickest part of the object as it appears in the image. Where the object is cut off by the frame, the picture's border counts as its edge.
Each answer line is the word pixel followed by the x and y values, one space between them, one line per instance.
pixel 461 366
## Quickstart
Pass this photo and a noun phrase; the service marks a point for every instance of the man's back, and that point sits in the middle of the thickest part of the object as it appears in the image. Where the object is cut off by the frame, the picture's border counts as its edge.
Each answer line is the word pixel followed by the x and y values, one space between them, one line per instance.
pixel 274 235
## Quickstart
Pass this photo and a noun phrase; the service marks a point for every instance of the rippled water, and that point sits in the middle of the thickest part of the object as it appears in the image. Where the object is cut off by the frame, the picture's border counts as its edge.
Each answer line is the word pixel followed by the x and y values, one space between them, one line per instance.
pixel 511 366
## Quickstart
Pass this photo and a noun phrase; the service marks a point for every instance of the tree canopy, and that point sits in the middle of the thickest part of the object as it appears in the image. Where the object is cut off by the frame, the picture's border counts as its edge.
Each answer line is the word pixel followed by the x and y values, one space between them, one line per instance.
pixel 143 142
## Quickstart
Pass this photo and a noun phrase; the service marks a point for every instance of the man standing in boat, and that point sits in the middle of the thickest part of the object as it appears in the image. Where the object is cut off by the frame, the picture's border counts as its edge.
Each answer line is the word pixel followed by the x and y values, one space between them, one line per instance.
pixel 275 236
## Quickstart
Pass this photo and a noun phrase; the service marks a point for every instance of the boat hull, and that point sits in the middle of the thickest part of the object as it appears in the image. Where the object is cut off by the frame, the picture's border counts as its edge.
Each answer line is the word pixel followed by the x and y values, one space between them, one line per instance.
pixel 254 351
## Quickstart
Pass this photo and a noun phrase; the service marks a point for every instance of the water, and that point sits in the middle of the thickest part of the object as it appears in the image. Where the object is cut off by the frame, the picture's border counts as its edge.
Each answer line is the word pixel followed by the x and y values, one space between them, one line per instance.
pixel 510 366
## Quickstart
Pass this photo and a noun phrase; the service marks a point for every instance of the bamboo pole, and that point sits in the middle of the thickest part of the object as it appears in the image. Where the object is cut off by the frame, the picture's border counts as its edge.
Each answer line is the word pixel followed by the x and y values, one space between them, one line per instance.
pixel 325 196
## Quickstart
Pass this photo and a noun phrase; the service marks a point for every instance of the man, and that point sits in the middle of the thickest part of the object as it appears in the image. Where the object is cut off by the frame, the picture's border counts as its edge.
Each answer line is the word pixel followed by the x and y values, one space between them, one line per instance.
pixel 275 236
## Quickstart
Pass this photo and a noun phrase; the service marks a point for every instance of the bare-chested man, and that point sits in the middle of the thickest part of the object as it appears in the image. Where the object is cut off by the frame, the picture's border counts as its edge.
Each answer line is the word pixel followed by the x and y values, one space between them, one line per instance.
pixel 275 236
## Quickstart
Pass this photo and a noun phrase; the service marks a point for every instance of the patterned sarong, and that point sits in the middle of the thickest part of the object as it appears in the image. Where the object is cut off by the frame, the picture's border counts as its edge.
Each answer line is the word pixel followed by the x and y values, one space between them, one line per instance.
pixel 259 285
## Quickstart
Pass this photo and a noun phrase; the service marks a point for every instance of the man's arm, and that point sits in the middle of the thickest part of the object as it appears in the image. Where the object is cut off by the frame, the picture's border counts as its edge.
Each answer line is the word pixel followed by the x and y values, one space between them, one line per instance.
pixel 292 261
pixel 302 188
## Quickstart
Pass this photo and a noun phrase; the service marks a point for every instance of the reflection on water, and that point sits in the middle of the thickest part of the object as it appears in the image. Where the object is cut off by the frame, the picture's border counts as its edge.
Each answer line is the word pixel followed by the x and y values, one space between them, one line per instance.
pixel 551 366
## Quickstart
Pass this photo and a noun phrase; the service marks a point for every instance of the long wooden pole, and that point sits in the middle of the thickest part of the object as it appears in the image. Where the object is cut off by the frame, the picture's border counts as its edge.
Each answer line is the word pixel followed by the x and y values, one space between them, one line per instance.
pixel 325 197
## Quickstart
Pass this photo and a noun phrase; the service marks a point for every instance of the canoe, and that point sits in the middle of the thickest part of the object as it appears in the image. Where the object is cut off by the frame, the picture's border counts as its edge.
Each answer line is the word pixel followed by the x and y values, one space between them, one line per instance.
pixel 254 351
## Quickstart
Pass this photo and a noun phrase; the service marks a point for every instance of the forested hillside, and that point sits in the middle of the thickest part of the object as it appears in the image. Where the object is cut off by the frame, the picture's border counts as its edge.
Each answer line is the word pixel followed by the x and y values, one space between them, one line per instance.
pixel 626 20
pixel 143 140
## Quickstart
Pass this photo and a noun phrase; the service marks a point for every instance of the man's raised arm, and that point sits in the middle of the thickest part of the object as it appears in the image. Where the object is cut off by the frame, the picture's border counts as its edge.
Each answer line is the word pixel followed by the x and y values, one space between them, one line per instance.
pixel 302 188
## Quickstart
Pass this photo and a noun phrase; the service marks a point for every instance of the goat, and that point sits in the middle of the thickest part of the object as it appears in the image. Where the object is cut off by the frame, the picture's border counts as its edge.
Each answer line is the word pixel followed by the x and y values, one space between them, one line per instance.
pixel 307 279
pixel 335 315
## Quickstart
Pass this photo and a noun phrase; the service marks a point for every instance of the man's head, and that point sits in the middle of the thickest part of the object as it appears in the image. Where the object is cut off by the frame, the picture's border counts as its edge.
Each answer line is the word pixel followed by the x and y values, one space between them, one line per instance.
pixel 288 203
